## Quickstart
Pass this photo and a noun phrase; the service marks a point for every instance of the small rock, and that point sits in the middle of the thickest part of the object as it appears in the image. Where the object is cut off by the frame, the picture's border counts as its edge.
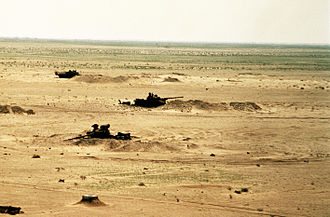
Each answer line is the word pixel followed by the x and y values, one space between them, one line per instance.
pixel 141 184
pixel 61 180
pixel 258 165
pixel 237 192
pixel 212 155
pixel 36 156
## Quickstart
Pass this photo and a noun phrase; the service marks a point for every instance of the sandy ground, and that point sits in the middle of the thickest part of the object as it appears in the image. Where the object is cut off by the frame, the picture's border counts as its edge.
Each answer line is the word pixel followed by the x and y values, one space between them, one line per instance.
pixel 279 153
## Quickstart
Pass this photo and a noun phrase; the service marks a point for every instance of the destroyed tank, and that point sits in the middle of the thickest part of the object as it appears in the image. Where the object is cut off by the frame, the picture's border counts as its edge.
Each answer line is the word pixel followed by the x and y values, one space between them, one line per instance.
pixel 153 100
pixel 102 133
pixel 67 74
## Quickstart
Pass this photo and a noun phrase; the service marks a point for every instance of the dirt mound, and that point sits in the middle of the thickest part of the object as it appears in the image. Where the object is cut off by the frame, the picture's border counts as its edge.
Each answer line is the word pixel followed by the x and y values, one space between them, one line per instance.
pixel 103 79
pixel 170 79
pixel 5 109
pixel 195 104
pixel 89 142
pixel 91 200
pixel 140 146
pixel 245 106
pixel 125 145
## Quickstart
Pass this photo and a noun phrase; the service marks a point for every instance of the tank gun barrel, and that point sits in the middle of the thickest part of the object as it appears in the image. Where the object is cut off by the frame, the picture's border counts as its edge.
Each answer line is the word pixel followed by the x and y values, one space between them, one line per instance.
pixel 175 97
pixel 78 137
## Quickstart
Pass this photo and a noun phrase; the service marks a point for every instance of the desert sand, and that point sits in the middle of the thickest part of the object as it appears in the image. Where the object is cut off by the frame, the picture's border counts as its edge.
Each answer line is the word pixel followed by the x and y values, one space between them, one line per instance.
pixel 196 156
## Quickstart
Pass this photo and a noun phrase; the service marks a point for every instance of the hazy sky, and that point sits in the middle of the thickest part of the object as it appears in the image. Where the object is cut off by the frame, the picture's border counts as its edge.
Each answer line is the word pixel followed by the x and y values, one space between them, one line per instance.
pixel 260 21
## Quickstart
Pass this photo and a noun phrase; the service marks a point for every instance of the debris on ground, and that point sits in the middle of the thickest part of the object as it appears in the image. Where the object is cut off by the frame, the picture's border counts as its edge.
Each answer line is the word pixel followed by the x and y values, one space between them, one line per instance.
pixel 11 210
pixel 67 74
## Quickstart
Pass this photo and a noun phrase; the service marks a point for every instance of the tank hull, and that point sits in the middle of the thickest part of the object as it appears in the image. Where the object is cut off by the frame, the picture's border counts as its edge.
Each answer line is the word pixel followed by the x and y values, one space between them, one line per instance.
pixel 151 103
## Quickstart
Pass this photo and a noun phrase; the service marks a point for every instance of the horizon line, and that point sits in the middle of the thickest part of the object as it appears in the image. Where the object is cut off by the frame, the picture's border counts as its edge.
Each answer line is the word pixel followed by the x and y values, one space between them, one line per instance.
pixel 162 41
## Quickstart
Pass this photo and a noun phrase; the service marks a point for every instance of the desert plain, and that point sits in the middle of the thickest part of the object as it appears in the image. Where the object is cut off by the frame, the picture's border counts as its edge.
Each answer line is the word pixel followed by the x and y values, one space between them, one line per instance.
pixel 196 156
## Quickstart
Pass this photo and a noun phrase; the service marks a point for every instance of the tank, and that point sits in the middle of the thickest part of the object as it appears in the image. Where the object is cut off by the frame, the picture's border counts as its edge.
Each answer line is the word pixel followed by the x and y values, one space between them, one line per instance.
pixel 153 100
pixel 103 132
pixel 67 74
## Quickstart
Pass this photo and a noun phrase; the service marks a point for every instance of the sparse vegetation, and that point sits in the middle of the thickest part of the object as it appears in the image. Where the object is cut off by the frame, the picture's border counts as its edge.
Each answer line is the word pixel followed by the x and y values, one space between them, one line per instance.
pixel 60 55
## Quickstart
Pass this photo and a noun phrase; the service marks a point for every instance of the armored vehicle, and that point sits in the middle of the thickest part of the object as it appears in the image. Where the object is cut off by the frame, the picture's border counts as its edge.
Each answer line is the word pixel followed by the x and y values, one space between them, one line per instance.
pixel 67 74
pixel 103 132
pixel 153 100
